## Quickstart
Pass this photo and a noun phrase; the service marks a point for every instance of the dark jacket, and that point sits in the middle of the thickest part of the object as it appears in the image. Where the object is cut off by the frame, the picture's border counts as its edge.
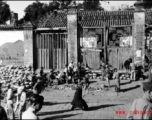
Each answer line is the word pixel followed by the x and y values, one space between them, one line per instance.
pixel 3 115
pixel 78 100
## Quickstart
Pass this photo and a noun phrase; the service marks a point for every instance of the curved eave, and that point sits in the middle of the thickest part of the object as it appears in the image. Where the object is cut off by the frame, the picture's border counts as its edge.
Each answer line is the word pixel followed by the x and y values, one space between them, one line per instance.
pixel 54 28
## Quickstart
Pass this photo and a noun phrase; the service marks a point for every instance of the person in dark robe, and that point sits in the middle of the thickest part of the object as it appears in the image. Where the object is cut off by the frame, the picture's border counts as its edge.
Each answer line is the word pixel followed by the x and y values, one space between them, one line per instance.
pixel 127 64
pixel 78 101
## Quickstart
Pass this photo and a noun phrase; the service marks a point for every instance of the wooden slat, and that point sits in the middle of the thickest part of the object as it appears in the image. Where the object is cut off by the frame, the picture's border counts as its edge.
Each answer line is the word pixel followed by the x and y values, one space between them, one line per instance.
pixel 51 61
pixel 54 60
pixel 48 51
pixel 40 50
pixel 46 39
pixel 63 47
pixel 66 47
pixel 37 51
pixel 53 51
pixel 60 52
pixel 57 41
pixel 44 51
pixel 45 62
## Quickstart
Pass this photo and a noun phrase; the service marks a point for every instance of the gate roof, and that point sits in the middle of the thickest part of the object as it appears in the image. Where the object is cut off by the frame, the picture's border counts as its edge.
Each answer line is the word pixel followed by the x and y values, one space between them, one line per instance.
pixel 93 19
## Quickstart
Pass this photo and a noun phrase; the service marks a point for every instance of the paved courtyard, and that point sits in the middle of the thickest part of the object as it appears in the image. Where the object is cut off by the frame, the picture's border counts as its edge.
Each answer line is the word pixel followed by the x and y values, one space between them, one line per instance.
pixel 103 104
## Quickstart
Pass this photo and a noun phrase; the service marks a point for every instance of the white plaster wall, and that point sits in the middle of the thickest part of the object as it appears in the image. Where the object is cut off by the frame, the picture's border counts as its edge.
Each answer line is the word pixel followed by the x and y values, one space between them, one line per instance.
pixel 11 36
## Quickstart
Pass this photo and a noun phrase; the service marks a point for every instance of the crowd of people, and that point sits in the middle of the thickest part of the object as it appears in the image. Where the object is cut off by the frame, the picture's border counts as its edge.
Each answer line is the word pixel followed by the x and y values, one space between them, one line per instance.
pixel 26 100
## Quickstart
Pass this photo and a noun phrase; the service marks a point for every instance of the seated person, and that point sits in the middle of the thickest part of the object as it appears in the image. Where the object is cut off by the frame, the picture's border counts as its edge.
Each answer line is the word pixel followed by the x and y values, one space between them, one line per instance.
pixel 41 71
pixel 50 77
pixel 75 77
pixel 127 64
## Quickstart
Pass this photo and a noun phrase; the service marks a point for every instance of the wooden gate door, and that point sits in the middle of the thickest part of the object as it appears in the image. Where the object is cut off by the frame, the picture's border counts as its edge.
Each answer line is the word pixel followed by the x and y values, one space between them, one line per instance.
pixel 117 56
pixel 51 50
pixel 91 58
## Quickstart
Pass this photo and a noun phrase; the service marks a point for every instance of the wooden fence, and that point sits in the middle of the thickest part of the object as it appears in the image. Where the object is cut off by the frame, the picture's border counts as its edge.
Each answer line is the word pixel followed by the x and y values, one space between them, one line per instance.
pixel 51 50
pixel 118 55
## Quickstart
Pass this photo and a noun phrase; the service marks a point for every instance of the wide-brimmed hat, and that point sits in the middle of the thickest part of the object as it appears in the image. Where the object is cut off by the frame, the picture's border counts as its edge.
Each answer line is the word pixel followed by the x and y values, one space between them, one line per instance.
pixel 146 85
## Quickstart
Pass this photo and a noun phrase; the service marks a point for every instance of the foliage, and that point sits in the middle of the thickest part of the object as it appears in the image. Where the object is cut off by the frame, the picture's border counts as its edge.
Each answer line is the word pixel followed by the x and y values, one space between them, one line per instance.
pixel 63 3
pixel 5 12
pixel 92 5
pixel 34 11
pixel 147 3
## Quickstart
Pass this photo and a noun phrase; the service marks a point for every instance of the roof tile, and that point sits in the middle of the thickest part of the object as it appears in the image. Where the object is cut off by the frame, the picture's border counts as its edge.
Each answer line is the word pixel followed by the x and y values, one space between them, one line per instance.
pixel 93 18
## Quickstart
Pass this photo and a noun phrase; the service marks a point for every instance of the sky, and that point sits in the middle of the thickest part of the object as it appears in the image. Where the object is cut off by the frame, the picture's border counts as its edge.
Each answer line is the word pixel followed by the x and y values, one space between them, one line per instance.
pixel 19 6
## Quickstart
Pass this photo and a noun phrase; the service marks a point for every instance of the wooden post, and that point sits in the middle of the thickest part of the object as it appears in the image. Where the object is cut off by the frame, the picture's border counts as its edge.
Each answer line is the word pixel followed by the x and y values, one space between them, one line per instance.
pixel 51 49
pixel 105 43
pixel 105 55
pixel 40 50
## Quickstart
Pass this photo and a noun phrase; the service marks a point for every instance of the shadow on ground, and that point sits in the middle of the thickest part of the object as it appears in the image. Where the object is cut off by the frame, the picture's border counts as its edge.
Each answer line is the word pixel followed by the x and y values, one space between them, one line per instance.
pixel 130 88
pixel 53 112
pixel 54 103
pixel 126 83
pixel 102 106
pixel 59 117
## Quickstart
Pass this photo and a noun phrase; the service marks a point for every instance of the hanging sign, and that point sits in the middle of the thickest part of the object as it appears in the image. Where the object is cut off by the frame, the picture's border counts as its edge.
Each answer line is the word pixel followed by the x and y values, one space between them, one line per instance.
pixel 126 41
pixel 90 42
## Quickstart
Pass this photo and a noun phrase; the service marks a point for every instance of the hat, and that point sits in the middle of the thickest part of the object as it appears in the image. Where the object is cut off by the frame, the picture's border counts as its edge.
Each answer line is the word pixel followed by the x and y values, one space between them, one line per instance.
pixel 147 85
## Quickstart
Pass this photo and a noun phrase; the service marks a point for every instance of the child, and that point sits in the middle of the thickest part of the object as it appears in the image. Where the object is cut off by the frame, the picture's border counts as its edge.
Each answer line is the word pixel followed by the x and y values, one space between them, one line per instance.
pixel 107 75
pixel 117 80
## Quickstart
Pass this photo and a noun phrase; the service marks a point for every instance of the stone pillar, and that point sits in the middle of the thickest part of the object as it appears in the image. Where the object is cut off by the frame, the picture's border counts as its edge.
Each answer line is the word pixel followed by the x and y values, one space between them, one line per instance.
pixel 139 33
pixel 28 44
pixel 72 34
